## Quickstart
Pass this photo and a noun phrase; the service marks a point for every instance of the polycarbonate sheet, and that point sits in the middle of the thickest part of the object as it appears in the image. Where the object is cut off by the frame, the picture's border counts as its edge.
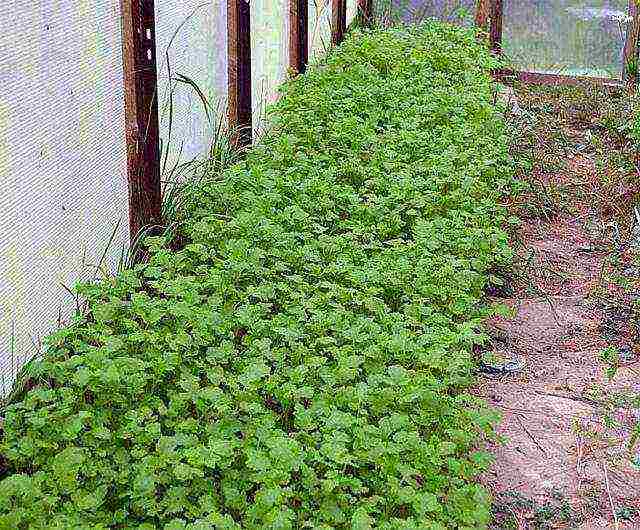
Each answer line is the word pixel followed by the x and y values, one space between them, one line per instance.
pixel 319 28
pixel 64 211
pixel 352 10
pixel 191 43
pixel 566 37
pixel 413 11
pixel 269 54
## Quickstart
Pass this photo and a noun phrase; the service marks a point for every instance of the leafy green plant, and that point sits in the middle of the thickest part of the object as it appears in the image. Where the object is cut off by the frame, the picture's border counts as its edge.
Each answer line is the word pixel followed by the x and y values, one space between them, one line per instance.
pixel 301 362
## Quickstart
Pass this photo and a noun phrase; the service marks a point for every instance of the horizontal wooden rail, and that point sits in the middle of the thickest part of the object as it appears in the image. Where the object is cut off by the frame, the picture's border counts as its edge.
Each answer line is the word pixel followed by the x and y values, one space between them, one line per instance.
pixel 535 78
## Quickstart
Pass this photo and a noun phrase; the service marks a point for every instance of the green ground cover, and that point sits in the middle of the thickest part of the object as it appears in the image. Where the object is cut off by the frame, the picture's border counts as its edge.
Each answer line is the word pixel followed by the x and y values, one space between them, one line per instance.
pixel 302 361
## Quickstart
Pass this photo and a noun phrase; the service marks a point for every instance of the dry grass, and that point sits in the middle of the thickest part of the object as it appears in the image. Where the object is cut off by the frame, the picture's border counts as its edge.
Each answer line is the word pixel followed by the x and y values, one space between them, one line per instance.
pixel 567 461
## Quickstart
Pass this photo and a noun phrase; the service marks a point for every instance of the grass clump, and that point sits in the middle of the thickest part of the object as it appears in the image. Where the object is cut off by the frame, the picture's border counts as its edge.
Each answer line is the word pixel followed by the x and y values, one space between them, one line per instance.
pixel 301 362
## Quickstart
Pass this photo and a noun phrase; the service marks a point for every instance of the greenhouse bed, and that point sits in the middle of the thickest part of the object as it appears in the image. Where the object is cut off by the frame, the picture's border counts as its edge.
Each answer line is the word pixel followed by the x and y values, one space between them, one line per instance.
pixel 302 361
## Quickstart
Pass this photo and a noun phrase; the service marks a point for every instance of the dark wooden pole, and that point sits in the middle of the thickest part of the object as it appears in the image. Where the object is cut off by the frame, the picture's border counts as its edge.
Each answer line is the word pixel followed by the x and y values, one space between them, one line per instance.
pixel 239 52
pixel 338 21
pixel 495 33
pixel 141 114
pixel 298 35
pixel 365 12
pixel 630 69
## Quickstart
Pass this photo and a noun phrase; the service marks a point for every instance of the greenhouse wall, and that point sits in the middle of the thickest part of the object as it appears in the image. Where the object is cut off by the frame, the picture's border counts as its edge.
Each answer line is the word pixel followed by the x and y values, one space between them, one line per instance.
pixel 574 38
pixel 319 27
pixel 455 11
pixel 568 37
pixel 62 164
pixel 269 53
pixel 63 156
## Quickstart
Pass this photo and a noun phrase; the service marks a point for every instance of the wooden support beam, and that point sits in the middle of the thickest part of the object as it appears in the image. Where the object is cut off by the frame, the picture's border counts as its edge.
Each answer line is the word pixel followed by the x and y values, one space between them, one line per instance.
pixel 141 114
pixel 239 59
pixel 495 30
pixel 483 15
pixel 298 35
pixel 338 21
pixel 489 22
pixel 630 67
pixel 365 13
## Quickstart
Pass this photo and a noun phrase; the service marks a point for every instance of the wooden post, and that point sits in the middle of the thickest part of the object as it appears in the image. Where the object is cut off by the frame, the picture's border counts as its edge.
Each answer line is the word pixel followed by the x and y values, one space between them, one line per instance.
pixel 141 114
pixel 298 35
pixel 483 15
pixel 338 21
pixel 365 13
pixel 495 32
pixel 630 67
pixel 239 56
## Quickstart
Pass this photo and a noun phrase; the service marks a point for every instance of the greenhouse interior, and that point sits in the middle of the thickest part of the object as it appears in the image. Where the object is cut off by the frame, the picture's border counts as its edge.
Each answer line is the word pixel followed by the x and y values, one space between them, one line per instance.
pixel 329 264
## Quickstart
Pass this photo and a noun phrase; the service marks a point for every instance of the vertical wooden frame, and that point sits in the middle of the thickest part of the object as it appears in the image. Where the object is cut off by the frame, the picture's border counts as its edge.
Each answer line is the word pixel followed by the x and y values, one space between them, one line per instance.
pixel 298 35
pixel 489 22
pixel 630 67
pixel 239 65
pixel 495 30
pixel 338 21
pixel 483 15
pixel 365 12
pixel 141 114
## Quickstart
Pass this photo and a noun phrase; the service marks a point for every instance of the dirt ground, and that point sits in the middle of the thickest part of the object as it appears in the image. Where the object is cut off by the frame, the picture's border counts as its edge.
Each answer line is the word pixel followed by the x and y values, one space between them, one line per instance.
pixel 568 457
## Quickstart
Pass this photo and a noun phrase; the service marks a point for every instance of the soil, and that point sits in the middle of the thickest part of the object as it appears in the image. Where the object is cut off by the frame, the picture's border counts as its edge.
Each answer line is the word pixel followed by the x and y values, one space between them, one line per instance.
pixel 567 458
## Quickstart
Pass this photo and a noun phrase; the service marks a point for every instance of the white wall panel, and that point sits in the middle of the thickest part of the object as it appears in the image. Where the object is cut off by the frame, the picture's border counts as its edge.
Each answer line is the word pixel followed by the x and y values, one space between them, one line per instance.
pixel 269 53
pixel 319 28
pixel 62 162
pixel 352 11
pixel 191 39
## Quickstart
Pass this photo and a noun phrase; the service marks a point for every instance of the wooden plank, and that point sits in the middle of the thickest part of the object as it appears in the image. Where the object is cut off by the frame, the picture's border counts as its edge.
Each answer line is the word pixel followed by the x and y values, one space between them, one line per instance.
pixel 298 35
pixel 535 78
pixel 141 114
pixel 365 13
pixel 239 67
pixel 630 68
pixel 338 21
pixel 495 31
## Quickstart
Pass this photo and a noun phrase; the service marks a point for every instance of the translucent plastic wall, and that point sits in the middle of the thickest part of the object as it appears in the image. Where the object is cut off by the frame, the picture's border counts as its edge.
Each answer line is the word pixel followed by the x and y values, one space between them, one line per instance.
pixel 570 37
pixel 319 28
pixel 269 53
pixel 63 206
pixel 63 169
pixel 567 37
pixel 191 41
pixel 411 11
pixel 352 10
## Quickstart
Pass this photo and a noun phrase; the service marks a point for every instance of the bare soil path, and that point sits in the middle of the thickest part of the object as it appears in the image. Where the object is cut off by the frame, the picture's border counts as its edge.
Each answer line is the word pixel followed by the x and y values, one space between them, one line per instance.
pixel 568 459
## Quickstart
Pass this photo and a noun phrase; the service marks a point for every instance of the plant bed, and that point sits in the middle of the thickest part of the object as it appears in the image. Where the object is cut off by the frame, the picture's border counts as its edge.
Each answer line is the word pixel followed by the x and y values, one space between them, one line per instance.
pixel 303 361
